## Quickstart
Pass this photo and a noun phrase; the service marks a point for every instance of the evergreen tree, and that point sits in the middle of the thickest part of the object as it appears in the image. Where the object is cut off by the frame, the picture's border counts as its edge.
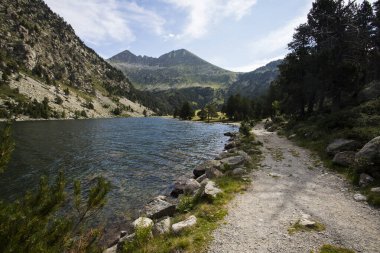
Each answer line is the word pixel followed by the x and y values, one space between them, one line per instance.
pixel 186 112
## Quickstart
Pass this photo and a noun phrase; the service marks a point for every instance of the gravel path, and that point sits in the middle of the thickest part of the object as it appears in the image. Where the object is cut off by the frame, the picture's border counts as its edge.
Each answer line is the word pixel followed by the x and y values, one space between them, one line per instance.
pixel 258 220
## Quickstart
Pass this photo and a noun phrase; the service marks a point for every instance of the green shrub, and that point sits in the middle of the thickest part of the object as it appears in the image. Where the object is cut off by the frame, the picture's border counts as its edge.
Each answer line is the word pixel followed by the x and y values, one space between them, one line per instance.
pixel 245 128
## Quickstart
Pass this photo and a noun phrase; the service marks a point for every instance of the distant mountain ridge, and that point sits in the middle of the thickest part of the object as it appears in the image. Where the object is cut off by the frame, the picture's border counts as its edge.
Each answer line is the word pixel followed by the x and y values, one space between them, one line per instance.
pixel 176 69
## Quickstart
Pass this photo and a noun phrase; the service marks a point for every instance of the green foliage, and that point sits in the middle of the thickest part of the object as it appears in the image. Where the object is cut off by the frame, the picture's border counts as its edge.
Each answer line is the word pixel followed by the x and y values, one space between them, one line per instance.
pixel 58 100
pixel 83 114
pixel 327 248
pixel 245 128
pixel 186 112
pixel 142 237
pixel 66 91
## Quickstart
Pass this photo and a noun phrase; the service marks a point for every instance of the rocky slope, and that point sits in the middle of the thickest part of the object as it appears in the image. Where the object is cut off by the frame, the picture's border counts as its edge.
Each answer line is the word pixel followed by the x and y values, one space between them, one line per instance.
pixel 177 69
pixel 256 83
pixel 38 48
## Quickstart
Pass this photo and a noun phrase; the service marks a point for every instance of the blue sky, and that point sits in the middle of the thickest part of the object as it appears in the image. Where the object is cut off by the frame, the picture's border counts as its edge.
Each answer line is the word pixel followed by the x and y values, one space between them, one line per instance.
pixel 238 35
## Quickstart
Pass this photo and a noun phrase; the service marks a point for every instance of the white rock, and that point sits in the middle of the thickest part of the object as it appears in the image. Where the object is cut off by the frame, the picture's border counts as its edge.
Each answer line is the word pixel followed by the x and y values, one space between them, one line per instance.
pixel 189 222
pixel 306 222
pixel 142 222
pixel 162 227
pixel 377 189
pixel 360 197
pixel 211 190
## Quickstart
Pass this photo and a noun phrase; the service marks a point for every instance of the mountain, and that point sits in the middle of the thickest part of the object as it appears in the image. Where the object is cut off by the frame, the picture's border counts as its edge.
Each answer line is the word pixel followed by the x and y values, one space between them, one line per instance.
pixel 256 83
pixel 176 69
pixel 41 56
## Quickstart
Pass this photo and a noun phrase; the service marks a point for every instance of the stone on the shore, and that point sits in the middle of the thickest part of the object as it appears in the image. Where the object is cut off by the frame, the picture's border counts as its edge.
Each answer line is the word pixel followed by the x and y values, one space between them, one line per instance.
pixel 211 190
pixel 222 156
pixel 201 178
pixel 191 186
pixel 368 158
pixel 142 222
pixel 365 179
pixel 360 197
pixel 245 155
pixel 179 186
pixel 233 161
pixel 345 158
pixel 158 208
pixel 340 145
pixel 162 227
pixel 180 226
pixel 376 189
pixel 238 172
pixel 213 173
pixel 201 169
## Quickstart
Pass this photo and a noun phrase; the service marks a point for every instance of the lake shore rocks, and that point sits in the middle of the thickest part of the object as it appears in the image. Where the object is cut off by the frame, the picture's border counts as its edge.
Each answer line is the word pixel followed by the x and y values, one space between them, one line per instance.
pixel 180 226
pixel 345 158
pixel 368 158
pixel 163 226
pixel 159 208
pixel 201 169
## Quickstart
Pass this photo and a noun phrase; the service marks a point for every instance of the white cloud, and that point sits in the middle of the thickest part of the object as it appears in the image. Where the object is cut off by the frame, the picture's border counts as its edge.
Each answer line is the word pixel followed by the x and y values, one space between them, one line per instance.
pixel 97 21
pixel 203 13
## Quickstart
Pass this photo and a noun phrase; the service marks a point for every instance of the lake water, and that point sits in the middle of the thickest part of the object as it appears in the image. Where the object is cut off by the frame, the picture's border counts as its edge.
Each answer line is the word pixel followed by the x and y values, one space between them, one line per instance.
pixel 139 156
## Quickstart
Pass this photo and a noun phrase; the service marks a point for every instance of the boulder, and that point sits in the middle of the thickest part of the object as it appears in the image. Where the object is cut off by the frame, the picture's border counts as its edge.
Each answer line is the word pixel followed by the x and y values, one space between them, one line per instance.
pixel 191 186
pixel 245 155
pixel 340 145
pixel 162 227
pixel 230 145
pixel 233 161
pixel 376 189
pixel 368 158
pixel 211 190
pixel 201 169
pixel 371 91
pixel 158 208
pixel 213 173
pixel 359 197
pixel 365 180
pixel 222 156
pixel 180 226
pixel 142 222
pixel 178 187
pixel 345 158
pixel 238 172
pixel 231 134
pixel 201 178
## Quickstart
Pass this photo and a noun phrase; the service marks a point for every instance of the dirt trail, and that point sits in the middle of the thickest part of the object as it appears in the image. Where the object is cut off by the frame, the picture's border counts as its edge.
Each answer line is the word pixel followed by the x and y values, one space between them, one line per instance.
pixel 259 219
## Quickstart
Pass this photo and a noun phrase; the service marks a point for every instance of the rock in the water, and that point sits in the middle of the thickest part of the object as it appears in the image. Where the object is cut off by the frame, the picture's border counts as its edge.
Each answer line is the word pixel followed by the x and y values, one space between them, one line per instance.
pixel 368 158
pixel 359 197
pixel 213 173
pixel 211 190
pixel 162 227
pixel 230 134
pixel 365 179
pixel 376 189
pixel 191 186
pixel 230 145
pixel 189 222
pixel 345 158
pixel 158 208
pixel 233 161
pixel 340 145
pixel 238 172
pixel 201 169
pixel 142 222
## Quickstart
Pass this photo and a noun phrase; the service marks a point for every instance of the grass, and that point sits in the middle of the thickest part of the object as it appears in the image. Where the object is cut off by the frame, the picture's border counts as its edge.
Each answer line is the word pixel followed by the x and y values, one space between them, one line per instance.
pixel 327 248
pixel 210 212
pixel 297 227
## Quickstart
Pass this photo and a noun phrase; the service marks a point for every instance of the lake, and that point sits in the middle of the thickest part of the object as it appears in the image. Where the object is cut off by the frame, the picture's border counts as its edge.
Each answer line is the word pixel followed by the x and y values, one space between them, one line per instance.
pixel 139 156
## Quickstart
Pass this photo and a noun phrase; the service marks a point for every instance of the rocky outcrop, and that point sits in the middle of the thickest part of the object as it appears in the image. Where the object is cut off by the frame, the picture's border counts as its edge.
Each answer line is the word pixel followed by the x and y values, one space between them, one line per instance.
pixel 201 169
pixel 368 158
pixel 345 158
pixel 159 208
pixel 340 145
pixel 180 226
